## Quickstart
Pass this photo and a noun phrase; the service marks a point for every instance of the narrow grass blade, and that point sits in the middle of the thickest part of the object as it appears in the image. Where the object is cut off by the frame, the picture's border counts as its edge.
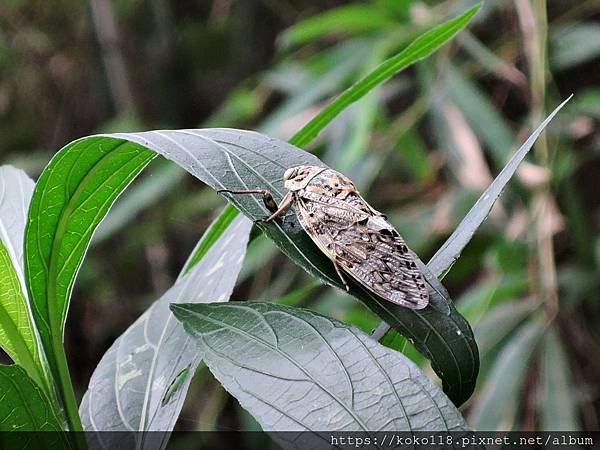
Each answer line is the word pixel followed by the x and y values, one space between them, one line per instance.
pixel 419 49
pixel 558 404
pixel 496 407
pixel 348 19
pixel 452 248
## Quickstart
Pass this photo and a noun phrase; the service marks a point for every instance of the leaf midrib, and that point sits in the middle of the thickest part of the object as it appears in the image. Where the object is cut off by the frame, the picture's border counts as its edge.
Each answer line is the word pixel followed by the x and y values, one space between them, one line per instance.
pixel 282 354
pixel 68 209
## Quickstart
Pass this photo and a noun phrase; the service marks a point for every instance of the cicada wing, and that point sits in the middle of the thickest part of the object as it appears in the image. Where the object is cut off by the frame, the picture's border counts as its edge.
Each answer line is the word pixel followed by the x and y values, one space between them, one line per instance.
pixel 381 261
pixel 361 241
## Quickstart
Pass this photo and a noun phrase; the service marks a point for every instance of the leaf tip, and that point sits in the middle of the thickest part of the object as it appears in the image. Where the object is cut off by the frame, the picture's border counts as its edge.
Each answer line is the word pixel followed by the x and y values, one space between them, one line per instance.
pixel 473 10
pixel 178 309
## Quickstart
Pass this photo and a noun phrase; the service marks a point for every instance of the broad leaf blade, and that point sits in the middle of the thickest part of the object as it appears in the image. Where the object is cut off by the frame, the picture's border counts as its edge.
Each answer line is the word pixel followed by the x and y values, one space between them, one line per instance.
pixel 237 160
pixel 454 245
pixel 17 334
pixel 72 196
pixel 137 385
pixel 296 370
pixel 25 408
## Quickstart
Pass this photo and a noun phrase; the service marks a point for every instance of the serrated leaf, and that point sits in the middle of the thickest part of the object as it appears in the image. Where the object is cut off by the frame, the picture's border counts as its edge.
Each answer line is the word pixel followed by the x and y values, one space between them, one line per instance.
pixel 25 408
pixel 132 388
pixel 17 334
pixel 296 370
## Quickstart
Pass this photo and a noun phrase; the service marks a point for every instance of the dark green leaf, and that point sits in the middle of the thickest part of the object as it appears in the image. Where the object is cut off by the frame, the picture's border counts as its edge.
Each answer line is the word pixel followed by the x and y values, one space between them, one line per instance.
pixel 294 369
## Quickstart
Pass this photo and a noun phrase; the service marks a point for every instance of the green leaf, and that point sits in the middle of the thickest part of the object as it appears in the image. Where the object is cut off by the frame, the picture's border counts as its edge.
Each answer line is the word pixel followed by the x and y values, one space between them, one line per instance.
pixel 481 114
pixel 587 103
pixel 419 49
pixel 293 369
pixel 338 64
pixel 160 178
pixel 72 196
pixel 413 149
pixel 138 384
pixel 17 334
pixel 491 337
pixel 347 19
pixel 25 407
pixel 558 403
pixel 459 389
pixel 454 245
pixel 496 407
pixel 235 160
pixel 574 44
pixel 477 301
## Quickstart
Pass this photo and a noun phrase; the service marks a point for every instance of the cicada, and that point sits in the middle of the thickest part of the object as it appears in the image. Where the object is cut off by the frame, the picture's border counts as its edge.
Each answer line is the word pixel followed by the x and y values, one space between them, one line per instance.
pixel 358 239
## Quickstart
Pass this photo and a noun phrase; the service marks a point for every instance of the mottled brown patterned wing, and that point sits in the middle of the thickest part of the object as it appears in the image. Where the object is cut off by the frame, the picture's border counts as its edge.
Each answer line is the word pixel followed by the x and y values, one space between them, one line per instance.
pixel 367 247
pixel 376 256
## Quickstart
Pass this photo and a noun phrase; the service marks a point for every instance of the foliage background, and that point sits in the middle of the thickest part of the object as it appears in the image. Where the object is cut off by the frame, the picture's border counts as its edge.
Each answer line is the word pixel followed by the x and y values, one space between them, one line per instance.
pixel 421 148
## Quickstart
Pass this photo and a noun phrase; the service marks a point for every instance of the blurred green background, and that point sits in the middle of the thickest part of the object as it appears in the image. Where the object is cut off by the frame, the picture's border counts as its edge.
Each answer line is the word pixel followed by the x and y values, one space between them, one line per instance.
pixel 421 148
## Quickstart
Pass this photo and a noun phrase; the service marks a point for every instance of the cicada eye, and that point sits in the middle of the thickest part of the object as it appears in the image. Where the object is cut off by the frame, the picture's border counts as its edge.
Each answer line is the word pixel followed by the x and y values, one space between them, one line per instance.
pixel 290 173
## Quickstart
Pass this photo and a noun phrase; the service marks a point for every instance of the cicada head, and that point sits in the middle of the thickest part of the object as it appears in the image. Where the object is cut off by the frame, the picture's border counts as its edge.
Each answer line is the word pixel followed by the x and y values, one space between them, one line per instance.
pixel 296 178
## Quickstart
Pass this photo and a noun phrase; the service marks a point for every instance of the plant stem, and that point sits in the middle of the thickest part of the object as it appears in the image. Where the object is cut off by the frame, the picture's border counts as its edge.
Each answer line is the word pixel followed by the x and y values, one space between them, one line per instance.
pixel 67 394
pixel 533 20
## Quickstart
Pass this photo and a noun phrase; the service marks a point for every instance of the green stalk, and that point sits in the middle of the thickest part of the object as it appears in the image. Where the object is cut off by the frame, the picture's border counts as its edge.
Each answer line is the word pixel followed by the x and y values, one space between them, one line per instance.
pixel 65 387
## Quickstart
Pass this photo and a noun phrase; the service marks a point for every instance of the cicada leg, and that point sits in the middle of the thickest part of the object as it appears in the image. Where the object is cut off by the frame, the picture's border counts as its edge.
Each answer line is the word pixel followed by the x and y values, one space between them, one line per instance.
pixel 339 272
pixel 270 203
